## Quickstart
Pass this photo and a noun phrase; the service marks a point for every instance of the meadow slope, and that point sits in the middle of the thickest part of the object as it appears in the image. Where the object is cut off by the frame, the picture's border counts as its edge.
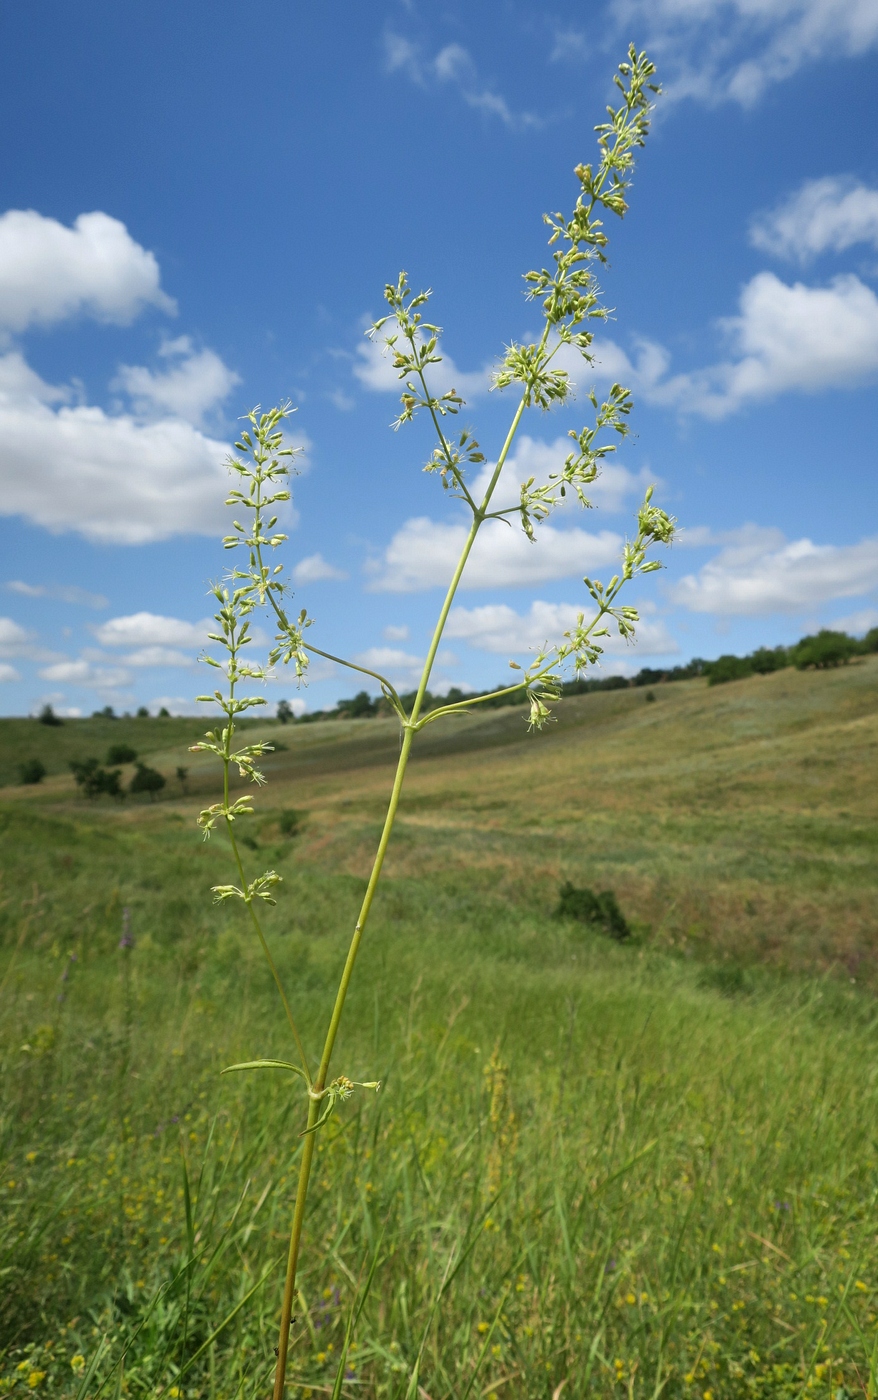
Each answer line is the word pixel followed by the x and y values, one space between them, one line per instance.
pixel 654 1163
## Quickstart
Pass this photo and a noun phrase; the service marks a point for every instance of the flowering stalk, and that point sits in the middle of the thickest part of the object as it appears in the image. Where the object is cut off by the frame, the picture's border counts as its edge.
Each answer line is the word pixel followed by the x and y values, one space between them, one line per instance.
pixel 570 301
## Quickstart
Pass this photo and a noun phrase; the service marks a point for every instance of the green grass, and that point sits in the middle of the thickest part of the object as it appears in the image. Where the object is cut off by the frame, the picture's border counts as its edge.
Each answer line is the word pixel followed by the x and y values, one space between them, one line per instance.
pixel 655 1164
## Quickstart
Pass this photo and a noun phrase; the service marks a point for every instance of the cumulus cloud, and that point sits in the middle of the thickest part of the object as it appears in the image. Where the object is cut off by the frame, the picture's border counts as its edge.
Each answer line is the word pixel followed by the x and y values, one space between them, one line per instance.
pixel 16 642
pixel 399 666
pixel 196 382
pixel 373 367
pixel 8 673
pixel 718 50
pixel 453 65
pixel 760 572
pixel 315 569
pixel 423 554
pixel 86 673
pixel 532 457
pixel 498 628
pixel 57 592
pixel 11 635
pixel 785 339
pixel 146 629
pixel 49 272
pixel 396 634
pixel 858 623
pixel 834 213
pixel 110 478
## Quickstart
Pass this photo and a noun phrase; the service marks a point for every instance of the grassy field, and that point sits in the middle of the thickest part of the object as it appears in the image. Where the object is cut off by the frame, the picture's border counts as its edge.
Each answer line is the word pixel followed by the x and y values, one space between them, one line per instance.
pixel 643 1169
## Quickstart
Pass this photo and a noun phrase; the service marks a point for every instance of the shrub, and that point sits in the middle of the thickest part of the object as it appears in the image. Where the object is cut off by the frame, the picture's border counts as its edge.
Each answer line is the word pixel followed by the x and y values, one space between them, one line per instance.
pixel 47 716
pixel 767 659
pixel 142 713
pixel 32 771
pixel 827 648
pixel 95 780
pixel 362 706
pixel 164 713
pixel 121 753
pixel 290 822
pixel 728 668
pixel 586 907
pixel 146 780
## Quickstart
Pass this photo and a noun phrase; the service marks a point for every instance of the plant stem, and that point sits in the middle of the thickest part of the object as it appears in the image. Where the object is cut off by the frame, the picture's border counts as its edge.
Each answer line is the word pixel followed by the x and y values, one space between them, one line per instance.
pixel 409 728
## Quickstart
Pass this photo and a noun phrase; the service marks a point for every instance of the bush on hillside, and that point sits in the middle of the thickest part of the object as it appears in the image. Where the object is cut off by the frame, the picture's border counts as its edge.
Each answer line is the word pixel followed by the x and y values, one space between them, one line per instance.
pixel 586 907
pixel 728 668
pixel 767 659
pixel 146 780
pixel 362 706
pixel 121 753
pixel 95 780
pixel 32 771
pixel 827 648
pixel 290 822
pixel 47 716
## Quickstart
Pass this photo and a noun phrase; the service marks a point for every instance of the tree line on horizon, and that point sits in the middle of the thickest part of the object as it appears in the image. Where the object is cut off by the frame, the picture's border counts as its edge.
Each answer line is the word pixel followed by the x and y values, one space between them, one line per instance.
pixel 819 651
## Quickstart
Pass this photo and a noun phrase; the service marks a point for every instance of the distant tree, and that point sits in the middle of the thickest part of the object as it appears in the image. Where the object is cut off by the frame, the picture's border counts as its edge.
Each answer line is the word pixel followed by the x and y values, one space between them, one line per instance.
pixel 164 713
pixel 121 753
pixel 95 780
pixel 32 771
pixel 47 716
pixel 181 775
pixel 362 706
pixel 106 713
pixel 284 711
pixel 143 712
pixel 728 668
pixel 870 641
pixel 767 659
pixel 146 780
pixel 826 648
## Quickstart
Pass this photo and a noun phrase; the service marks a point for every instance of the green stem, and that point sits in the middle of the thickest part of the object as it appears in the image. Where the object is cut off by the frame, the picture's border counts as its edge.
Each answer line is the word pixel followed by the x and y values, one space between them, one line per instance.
pixel 335 1020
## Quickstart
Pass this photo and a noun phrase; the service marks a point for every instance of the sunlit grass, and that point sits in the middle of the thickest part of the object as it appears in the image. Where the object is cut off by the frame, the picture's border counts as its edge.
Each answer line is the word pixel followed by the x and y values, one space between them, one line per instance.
pixel 708 1221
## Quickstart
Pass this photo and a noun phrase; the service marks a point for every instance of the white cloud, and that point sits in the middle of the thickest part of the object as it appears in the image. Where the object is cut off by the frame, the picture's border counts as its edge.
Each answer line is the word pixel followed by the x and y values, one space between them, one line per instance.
pixel 858 623
pixel 315 568
pixel 535 458
pixel 759 572
pixel 58 592
pixel 423 554
pixel 82 672
pixel 196 382
pixel 11 635
pixel 396 634
pixel 49 272
pixel 453 65
pixel 158 656
pixel 836 212
pixel 373 367
pixel 8 673
pixel 110 478
pixel 569 44
pixel 399 666
pixel 17 643
pixel 717 50
pixel 146 629
pixel 498 628
pixel 785 339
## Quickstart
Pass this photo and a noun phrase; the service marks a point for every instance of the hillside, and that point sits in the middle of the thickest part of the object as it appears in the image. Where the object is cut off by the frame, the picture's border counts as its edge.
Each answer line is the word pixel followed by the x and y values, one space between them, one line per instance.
pixel 733 821
pixel 654 1161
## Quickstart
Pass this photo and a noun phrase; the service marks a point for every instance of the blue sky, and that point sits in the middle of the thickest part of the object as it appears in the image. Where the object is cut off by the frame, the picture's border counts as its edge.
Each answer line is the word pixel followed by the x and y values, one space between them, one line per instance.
pixel 200 209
